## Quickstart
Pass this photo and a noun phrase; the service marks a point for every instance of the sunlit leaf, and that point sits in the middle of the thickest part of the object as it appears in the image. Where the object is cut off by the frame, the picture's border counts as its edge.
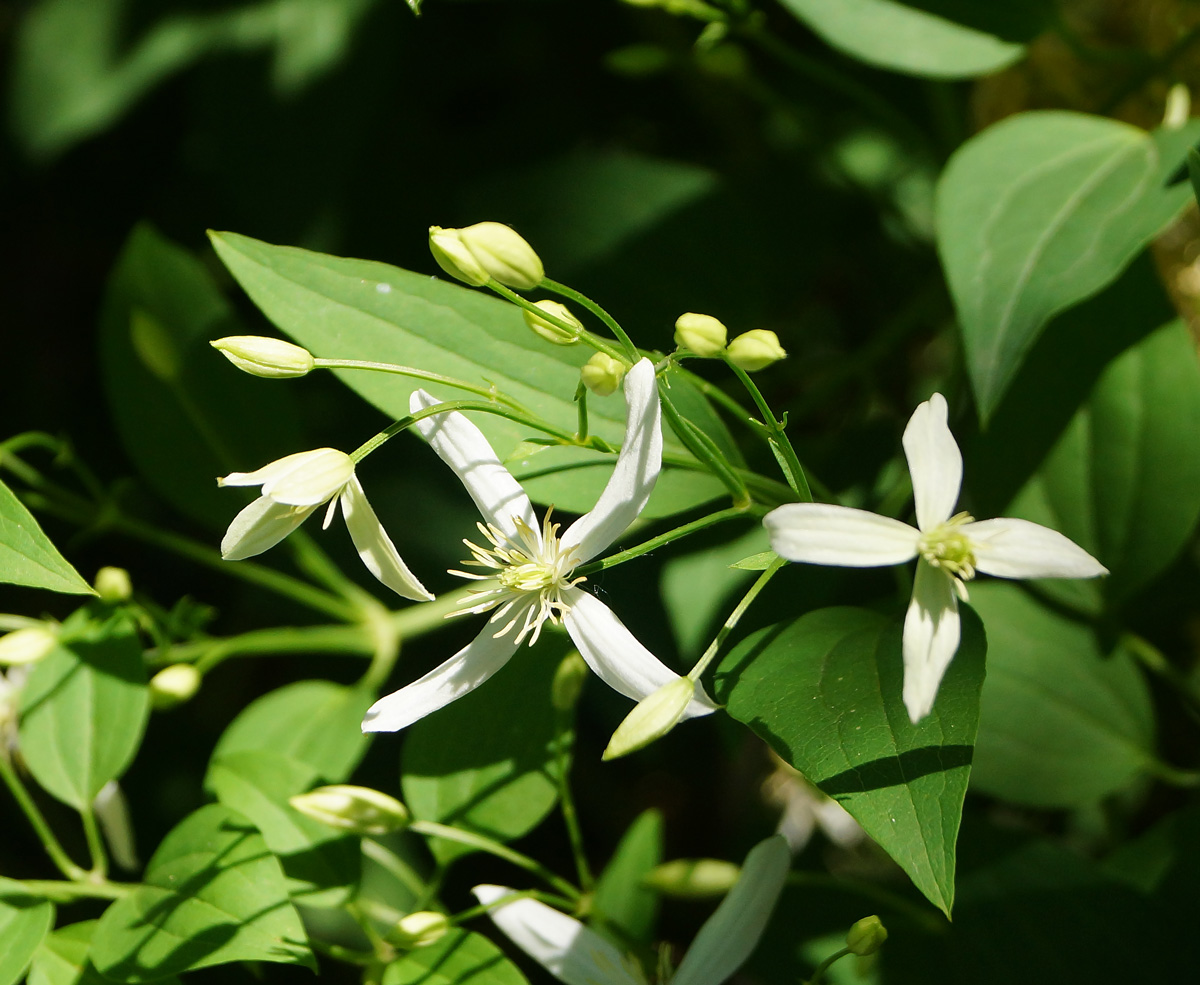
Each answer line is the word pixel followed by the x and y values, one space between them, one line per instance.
pixel 26 555
pixel 24 922
pixel 459 958
pixel 620 899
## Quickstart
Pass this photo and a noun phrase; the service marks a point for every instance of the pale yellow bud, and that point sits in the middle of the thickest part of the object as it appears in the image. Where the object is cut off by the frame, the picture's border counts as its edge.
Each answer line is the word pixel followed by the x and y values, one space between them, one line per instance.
pixel 504 254
pixel 257 355
pixel 358 809
pixel 652 718
pixel 755 350
pixel 113 585
pixel 419 929
pixel 602 374
pixel 26 646
pixel 453 256
pixel 703 335
pixel 174 685
pixel 866 936
pixel 548 330
pixel 568 681
pixel 693 878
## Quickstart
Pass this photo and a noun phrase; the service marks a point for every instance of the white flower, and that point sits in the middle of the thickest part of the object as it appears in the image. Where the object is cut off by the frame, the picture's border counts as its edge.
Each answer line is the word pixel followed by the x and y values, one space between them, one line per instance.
pixel 949 549
pixel 292 488
pixel 576 955
pixel 529 566
pixel 806 808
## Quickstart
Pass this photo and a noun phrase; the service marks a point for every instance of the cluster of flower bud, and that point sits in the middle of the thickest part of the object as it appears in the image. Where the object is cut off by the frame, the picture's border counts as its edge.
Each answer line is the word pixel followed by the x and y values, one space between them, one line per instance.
pixel 707 337
pixel 484 252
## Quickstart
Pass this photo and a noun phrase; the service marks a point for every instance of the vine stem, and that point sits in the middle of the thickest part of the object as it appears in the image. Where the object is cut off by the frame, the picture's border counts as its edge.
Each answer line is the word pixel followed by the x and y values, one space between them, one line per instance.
pixel 37 821
pixel 734 618
pixel 566 802
pixel 793 471
pixel 490 393
pixel 95 844
pixel 68 892
pixel 610 322
pixel 589 338
pixel 662 540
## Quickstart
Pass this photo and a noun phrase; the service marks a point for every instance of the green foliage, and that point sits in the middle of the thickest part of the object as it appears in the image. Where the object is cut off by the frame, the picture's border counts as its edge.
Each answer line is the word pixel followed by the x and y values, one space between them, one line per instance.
pixel 26 555
pixel 621 900
pixel 24 922
pixel 459 958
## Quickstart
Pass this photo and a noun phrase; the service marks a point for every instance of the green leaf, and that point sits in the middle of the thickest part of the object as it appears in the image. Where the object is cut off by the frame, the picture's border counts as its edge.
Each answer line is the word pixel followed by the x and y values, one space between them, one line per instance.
pixel 488 762
pixel 1039 212
pixel 313 722
pixel 211 894
pixel 459 958
pixel 84 708
pixel 1062 722
pixel 898 37
pixel 824 691
pixel 26 555
pixel 63 958
pixel 620 899
pixel 24 921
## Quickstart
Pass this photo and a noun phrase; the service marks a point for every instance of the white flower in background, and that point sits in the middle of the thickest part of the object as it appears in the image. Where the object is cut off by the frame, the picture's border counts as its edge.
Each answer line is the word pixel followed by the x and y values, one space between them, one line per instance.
pixel 292 488
pixel 806 808
pixel 949 549
pixel 528 565
pixel 10 703
pixel 576 955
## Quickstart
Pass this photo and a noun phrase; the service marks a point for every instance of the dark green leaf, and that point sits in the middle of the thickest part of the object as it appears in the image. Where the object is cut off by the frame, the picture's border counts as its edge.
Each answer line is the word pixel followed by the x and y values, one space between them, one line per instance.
pixel 620 900
pixel 459 958
pixel 26 555
pixel 24 922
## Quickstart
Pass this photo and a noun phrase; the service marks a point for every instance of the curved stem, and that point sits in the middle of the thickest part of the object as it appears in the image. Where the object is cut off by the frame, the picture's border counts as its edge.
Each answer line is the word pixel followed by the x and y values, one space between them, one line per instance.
pixel 734 618
pixel 95 844
pixel 490 393
pixel 781 445
pixel 612 324
pixel 37 821
pixel 699 445
pixel 662 540
pixel 566 802
pixel 589 338
pixel 68 892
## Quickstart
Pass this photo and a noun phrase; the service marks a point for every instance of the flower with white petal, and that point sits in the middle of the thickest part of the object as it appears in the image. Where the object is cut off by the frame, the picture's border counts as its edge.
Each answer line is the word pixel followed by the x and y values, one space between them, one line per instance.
pixel 528 566
pixel 292 488
pixel 576 955
pixel 949 549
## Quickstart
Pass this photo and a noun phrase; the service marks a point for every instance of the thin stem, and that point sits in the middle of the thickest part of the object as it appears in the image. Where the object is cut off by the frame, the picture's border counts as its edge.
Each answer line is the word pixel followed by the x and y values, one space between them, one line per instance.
pixel 68 892
pixel 734 618
pixel 567 906
pixel 566 802
pixel 491 393
pixel 386 859
pixel 589 338
pixel 613 325
pixel 704 450
pixel 768 491
pixel 824 965
pixel 95 844
pixel 581 393
pixel 781 445
pixel 386 647
pixel 662 540
pixel 716 394
pixel 52 845
pixel 340 953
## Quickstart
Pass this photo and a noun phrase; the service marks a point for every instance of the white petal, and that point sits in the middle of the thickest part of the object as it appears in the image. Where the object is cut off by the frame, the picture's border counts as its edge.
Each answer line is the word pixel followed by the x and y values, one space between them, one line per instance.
pixel 562 945
pixel 1011 548
pixel 821 534
pixel 615 655
pixel 634 475
pixel 261 525
pixel 375 547
pixel 307 478
pixel 463 672
pixel 463 447
pixel 931 634
pixel 934 462
pixel 730 935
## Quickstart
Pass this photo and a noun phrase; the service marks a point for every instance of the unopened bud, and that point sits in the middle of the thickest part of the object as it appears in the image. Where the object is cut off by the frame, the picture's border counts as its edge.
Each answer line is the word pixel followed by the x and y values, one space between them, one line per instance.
pixel 486 251
pixel 602 374
pixel 866 936
pixel 173 686
pixel 453 256
pixel 26 646
pixel 307 478
pixel 419 929
pixel 755 350
pixel 568 681
pixel 359 809
pixel 548 330
pixel 652 718
pixel 692 878
pixel 273 359
pixel 113 585
pixel 703 335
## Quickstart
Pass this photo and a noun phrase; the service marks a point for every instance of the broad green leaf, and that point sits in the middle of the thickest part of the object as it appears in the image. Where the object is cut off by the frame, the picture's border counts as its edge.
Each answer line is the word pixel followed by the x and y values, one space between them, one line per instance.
pixel 1037 213
pixel 63 958
pixel 459 958
pixel 24 922
pixel 314 722
pixel 1062 722
pixel 824 691
pixel 84 708
pixel 26 555
pixel 211 894
pixel 181 409
pixel 322 864
pixel 898 37
pixel 489 761
pixel 620 899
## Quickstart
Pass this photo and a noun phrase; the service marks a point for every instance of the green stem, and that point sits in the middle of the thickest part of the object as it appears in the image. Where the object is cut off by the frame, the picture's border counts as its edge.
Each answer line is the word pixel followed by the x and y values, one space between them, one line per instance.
pixel 589 338
pixel 490 393
pixel 768 492
pixel 95 844
pixel 780 444
pixel 386 648
pixel 704 450
pixel 386 859
pixel 340 953
pixel 52 845
pixel 662 540
pixel 734 618
pixel 566 802
pixel 567 906
pixel 716 394
pixel 581 393
pixel 612 324
pixel 825 965
pixel 68 892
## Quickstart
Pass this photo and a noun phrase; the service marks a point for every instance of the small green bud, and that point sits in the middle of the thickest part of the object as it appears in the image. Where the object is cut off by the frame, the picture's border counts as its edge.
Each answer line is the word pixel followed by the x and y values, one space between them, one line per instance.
pixel 866 936
pixel 693 878
pixel 113 585
pixel 703 335
pixel 453 256
pixel 652 718
pixel 487 251
pixel 755 350
pixel 419 929
pixel 27 646
pixel 602 374
pixel 173 686
pixel 548 330
pixel 273 359
pixel 568 681
pixel 358 809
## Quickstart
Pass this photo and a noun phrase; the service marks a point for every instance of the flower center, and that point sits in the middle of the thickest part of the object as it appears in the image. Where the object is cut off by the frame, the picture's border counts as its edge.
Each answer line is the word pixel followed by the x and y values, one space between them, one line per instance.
pixel 946 546
pixel 532 574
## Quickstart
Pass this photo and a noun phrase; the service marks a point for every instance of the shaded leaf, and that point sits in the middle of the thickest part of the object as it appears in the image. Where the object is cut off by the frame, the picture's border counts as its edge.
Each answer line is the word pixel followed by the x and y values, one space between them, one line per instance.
pixel 620 899
pixel 63 958
pixel 459 958
pixel 26 555
pixel 24 922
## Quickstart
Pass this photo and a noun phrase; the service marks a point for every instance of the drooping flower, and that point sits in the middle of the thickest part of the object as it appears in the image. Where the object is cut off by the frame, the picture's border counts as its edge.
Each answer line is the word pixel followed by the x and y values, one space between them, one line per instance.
pixel 576 955
pixel 528 566
pixel 292 488
pixel 949 549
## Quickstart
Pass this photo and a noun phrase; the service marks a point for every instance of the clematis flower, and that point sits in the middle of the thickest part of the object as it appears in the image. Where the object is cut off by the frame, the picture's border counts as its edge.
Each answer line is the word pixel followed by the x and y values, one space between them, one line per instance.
pixel 949 549
pixel 576 955
pixel 292 488
pixel 528 566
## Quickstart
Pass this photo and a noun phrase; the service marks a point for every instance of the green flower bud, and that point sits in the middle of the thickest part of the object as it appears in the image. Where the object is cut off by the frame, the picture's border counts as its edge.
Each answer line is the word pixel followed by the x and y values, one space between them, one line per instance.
pixel 702 334
pixel 419 929
pixel 755 350
pixel 113 585
pixel 652 718
pixel 358 809
pixel 866 936
pixel 452 256
pixel 692 878
pixel 504 254
pixel 173 686
pixel 26 646
pixel 568 681
pixel 602 374
pixel 548 330
pixel 257 355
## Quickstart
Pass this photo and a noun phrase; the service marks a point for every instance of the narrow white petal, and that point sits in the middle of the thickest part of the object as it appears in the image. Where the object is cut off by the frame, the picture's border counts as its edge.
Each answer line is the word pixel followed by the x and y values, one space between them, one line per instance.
pixel 462 446
pixel 374 545
pixel 463 672
pixel 1011 548
pixel 931 634
pixel 615 655
pixel 730 935
pixel 272 470
pixel 562 945
pixel 934 462
pixel 307 478
pixel 261 525
pixel 634 475
pixel 821 534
